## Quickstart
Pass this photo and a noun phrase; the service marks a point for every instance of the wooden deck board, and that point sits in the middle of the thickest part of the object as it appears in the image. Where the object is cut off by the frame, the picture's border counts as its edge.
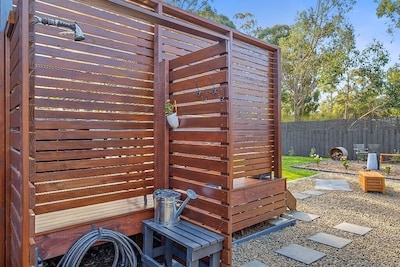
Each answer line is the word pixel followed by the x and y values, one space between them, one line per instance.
pixel 64 218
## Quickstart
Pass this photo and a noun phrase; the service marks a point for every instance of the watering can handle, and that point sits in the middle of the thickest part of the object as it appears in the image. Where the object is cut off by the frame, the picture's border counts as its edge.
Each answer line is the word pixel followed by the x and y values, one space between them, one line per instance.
pixel 190 195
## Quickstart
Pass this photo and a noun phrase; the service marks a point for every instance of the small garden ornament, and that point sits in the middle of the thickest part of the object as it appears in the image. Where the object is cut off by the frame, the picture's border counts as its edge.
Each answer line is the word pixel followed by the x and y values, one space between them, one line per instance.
pixel 171 111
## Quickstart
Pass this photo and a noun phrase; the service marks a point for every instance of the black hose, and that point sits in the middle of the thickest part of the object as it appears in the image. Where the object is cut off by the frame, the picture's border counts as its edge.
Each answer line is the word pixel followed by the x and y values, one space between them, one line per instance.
pixel 122 248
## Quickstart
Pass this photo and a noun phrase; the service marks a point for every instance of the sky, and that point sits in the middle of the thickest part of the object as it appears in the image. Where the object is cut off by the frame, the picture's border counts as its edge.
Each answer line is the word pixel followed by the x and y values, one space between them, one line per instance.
pixel 271 12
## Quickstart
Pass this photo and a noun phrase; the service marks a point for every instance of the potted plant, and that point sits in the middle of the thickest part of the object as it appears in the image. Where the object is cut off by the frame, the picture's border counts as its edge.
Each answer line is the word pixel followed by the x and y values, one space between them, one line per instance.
pixel 171 112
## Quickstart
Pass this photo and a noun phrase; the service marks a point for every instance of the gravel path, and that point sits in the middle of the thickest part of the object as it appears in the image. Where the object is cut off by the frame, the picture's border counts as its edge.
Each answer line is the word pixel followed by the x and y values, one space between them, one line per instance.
pixel 379 247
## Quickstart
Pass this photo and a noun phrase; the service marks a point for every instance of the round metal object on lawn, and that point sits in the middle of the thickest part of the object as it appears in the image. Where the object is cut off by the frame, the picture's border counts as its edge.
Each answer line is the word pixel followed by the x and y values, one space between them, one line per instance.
pixel 336 153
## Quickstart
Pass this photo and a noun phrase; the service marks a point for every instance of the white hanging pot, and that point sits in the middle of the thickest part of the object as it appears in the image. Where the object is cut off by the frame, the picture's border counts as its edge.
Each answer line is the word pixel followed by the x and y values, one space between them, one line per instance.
pixel 173 120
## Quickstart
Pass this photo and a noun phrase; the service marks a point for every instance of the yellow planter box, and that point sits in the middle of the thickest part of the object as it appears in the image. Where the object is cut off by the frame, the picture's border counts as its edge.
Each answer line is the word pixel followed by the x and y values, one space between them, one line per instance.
pixel 371 181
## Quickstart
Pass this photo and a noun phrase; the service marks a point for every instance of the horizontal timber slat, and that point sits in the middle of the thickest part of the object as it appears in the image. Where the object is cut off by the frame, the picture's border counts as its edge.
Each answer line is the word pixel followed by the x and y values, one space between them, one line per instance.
pixel 200 176
pixel 91 154
pixel 93 191
pixel 92 172
pixel 43 187
pixel 208 192
pixel 85 144
pixel 93 134
pixel 74 203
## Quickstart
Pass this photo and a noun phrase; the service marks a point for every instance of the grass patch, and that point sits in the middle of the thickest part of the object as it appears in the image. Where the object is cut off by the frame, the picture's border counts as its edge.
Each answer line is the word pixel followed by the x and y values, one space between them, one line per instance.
pixel 291 173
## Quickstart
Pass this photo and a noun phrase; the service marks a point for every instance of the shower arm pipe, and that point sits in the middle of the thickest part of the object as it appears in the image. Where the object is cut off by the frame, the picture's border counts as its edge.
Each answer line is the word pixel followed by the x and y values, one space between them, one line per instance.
pixel 59 23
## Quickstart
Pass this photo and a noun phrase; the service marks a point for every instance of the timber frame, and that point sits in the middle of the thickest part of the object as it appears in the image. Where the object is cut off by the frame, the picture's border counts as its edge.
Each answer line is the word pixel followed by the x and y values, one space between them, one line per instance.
pixel 85 138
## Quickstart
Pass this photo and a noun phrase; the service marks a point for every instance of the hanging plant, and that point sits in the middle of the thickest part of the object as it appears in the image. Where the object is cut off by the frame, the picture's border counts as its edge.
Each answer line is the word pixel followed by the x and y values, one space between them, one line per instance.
pixel 171 111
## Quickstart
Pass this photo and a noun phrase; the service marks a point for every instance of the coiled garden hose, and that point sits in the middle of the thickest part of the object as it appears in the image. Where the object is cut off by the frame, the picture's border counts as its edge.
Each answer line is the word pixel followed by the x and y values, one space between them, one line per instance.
pixel 122 248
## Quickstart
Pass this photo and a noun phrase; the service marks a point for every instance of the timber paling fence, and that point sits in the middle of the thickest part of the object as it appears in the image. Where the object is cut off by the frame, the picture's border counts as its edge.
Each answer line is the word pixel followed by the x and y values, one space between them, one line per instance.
pixel 301 137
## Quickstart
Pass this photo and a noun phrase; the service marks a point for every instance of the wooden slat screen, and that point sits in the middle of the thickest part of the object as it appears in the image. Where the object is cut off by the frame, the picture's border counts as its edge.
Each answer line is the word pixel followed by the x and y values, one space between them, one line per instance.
pixel 93 108
pixel 253 109
pixel 19 157
pixel 199 147
pixel 176 44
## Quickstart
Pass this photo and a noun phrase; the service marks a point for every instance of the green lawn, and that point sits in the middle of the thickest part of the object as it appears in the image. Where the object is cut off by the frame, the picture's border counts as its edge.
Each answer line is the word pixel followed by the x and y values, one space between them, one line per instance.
pixel 293 173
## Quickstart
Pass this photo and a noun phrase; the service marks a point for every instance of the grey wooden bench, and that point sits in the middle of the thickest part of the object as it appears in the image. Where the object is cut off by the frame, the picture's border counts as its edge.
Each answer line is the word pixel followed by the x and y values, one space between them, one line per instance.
pixel 198 243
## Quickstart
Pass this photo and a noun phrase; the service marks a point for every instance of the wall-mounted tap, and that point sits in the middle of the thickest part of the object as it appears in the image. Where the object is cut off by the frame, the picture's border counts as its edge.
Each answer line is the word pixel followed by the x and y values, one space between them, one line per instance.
pixel 73 26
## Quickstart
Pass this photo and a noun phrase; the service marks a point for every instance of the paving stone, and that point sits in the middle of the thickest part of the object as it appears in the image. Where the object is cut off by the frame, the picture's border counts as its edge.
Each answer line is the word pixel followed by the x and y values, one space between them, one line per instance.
pixel 313 192
pixel 300 253
pixel 334 185
pixel 353 228
pixel 330 240
pixel 255 263
pixel 300 195
pixel 302 216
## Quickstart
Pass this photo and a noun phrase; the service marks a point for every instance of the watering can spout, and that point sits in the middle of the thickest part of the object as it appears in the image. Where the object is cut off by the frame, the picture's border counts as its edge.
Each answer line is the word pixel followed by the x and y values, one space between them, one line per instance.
pixel 190 195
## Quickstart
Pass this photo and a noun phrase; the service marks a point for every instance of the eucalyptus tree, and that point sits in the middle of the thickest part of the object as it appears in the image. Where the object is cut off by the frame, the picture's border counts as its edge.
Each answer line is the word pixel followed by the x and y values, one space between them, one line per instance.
pixel 363 87
pixel 392 90
pixel 204 9
pixel 391 10
pixel 190 5
pixel 274 33
pixel 311 54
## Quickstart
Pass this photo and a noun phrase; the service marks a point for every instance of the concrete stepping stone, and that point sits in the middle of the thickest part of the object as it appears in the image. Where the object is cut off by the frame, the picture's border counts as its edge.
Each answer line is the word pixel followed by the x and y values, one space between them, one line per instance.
pixel 333 185
pixel 302 216
pixel 300 253
pixel 313 192
pixel 330 240
pixel 255 263
pixel 300 195
pixel 353 228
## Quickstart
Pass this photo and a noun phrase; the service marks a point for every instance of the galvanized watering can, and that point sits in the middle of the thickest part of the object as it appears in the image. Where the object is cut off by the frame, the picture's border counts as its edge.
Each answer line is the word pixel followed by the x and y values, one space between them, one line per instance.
pixel 168 206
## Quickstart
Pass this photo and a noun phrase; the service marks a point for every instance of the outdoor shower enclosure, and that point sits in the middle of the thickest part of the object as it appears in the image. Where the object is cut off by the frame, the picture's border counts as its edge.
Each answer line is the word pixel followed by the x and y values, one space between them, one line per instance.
pixel 86 139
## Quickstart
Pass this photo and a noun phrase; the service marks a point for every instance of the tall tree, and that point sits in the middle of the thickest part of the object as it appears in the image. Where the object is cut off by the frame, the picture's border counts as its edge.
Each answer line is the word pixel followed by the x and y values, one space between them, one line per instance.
pixel 212 14
pixel 392 91
pixel 203 8
pixel 363 84
pixel 391 10
pixel 247 23
pixel 190 5
pixel 273 34
pixel 312 51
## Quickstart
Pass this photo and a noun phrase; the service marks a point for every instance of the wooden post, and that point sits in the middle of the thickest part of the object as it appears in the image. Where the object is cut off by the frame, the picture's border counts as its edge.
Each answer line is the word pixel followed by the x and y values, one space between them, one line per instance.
pixel 160 130
pixel 276 70
pixel 2 156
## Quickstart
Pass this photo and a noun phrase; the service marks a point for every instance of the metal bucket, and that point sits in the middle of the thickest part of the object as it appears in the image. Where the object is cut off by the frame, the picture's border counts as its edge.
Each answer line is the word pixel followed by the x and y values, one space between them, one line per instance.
pixel 165 202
